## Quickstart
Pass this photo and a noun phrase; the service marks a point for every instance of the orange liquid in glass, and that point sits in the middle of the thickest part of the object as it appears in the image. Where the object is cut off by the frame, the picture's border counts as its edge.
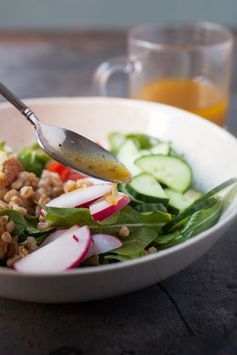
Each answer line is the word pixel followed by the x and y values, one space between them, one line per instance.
pixel 199 97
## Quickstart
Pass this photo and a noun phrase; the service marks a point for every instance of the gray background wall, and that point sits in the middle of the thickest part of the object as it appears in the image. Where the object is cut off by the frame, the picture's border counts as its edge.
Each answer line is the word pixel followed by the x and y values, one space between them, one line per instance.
pixel 70 14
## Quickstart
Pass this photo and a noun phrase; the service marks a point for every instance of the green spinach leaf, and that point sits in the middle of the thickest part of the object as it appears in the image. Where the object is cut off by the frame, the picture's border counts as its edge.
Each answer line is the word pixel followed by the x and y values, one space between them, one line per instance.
pixel 67 217
pixel 134 245
pixel 33 159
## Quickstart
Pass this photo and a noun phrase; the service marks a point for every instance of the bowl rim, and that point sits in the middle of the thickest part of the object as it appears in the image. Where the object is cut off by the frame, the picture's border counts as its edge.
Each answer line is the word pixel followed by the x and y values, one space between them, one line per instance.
pixel 87 270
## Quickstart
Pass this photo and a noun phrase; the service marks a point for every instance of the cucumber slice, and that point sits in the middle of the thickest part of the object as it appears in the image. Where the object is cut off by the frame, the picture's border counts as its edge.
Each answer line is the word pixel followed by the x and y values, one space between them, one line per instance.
pixel 215 190
pixel 127 154
pixel 205 200
pixel 116 139
pixel 171 171
pixel 123 188
pixel 150 207
pixel 145 187
pixel 143 141
pixel 178 201
pixel 143 152
pixel 178 220
pixel 161 148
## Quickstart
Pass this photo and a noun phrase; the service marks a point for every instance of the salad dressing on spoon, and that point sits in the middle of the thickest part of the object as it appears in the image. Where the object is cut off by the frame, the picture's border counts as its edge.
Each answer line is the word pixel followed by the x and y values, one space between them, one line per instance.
pixel 70 148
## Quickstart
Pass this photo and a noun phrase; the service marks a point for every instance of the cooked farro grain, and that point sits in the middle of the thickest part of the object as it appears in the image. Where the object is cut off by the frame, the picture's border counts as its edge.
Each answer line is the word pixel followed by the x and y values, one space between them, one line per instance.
pixel 3 191
pixel 124 232
pixel 19 201
pixel 22 210
pixel 152 250
pixel 10 226
pixel 43 199
pixel 3 249
pixel 83 183
pixel 70 185
pixel 31 244
pixel 23 251
pixel 6 237
pixel 3 205
pixel 26 191
pixel 10 194
pixel 25 178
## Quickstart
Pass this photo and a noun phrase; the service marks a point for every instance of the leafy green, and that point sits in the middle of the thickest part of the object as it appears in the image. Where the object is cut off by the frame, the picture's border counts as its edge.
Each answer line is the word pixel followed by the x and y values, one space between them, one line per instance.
pixel 202 220
pixel 33 159
pixel 92 261
pixel 24 226
pixel 143 141
pixel 67 217
pixel 5 148
pixel 196 224
pixel 135 244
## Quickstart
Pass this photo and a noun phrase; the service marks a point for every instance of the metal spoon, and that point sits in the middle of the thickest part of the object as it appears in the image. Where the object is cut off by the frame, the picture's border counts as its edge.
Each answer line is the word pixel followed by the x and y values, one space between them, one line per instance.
pixel 71 149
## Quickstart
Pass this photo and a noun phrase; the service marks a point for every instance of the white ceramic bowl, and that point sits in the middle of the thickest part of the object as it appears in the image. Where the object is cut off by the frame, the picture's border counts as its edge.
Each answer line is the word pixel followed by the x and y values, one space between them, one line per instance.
pixel 211 151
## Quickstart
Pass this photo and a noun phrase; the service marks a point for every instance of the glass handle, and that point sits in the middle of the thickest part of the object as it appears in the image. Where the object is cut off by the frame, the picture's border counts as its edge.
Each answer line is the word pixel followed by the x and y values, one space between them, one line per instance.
pixel 108 68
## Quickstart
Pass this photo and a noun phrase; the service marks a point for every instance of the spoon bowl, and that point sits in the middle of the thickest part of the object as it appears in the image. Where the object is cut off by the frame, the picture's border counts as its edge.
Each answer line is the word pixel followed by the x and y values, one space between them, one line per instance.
pixel 70 148
pixel 79 153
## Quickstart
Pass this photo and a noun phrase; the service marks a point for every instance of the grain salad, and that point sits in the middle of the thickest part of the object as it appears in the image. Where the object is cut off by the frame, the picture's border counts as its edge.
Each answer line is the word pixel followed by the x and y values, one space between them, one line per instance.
pixel 53 218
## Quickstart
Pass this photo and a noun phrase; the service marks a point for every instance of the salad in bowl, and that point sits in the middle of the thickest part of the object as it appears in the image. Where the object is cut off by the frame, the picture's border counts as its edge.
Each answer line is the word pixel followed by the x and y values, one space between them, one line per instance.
pixel 53 219
pixel 104 248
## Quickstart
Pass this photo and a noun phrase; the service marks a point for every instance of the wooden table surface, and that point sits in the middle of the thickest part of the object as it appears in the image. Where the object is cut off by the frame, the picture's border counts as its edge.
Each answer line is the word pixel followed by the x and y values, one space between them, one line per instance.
pixel 193 312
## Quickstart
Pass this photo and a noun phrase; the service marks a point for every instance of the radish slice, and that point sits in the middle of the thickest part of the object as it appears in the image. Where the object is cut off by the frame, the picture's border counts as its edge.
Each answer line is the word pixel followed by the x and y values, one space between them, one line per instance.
pixel 96 181
pixel 64 253
pixel 102 243
pixel 53 236
pixel 78 197
pixel 102 209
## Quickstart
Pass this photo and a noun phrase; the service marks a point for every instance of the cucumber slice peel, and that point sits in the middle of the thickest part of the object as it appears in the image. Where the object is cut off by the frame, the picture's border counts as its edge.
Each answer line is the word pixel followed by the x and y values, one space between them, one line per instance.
pixel 150 207
pixel 177 221
pixel 146 188
pixel 170 171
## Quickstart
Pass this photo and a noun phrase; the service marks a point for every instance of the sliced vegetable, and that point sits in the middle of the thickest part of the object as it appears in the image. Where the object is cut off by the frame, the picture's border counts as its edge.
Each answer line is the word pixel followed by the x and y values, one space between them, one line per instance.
pixel 116 139
pixel 178 220
pixel 161 148
pixel 79 197
pixel 53 236
pixel 103 208
pixel 102 243
pixel 146 188
pixel 143 141
pixel 215 191
pixel 178 201
pixel 170 171
pixel 127 154
pixel 123 188
pixel 64 253
pixel 150 207
pixel 64 172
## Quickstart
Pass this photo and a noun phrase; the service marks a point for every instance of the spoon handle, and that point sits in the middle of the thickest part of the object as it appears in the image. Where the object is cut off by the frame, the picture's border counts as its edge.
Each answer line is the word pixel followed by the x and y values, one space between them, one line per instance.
pixel 25 110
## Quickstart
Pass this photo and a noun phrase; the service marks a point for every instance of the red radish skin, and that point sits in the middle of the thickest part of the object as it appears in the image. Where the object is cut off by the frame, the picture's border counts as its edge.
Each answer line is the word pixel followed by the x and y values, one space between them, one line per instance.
pixel 87 204
pixel 77 198
pixel 62 254
pixel 102 209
